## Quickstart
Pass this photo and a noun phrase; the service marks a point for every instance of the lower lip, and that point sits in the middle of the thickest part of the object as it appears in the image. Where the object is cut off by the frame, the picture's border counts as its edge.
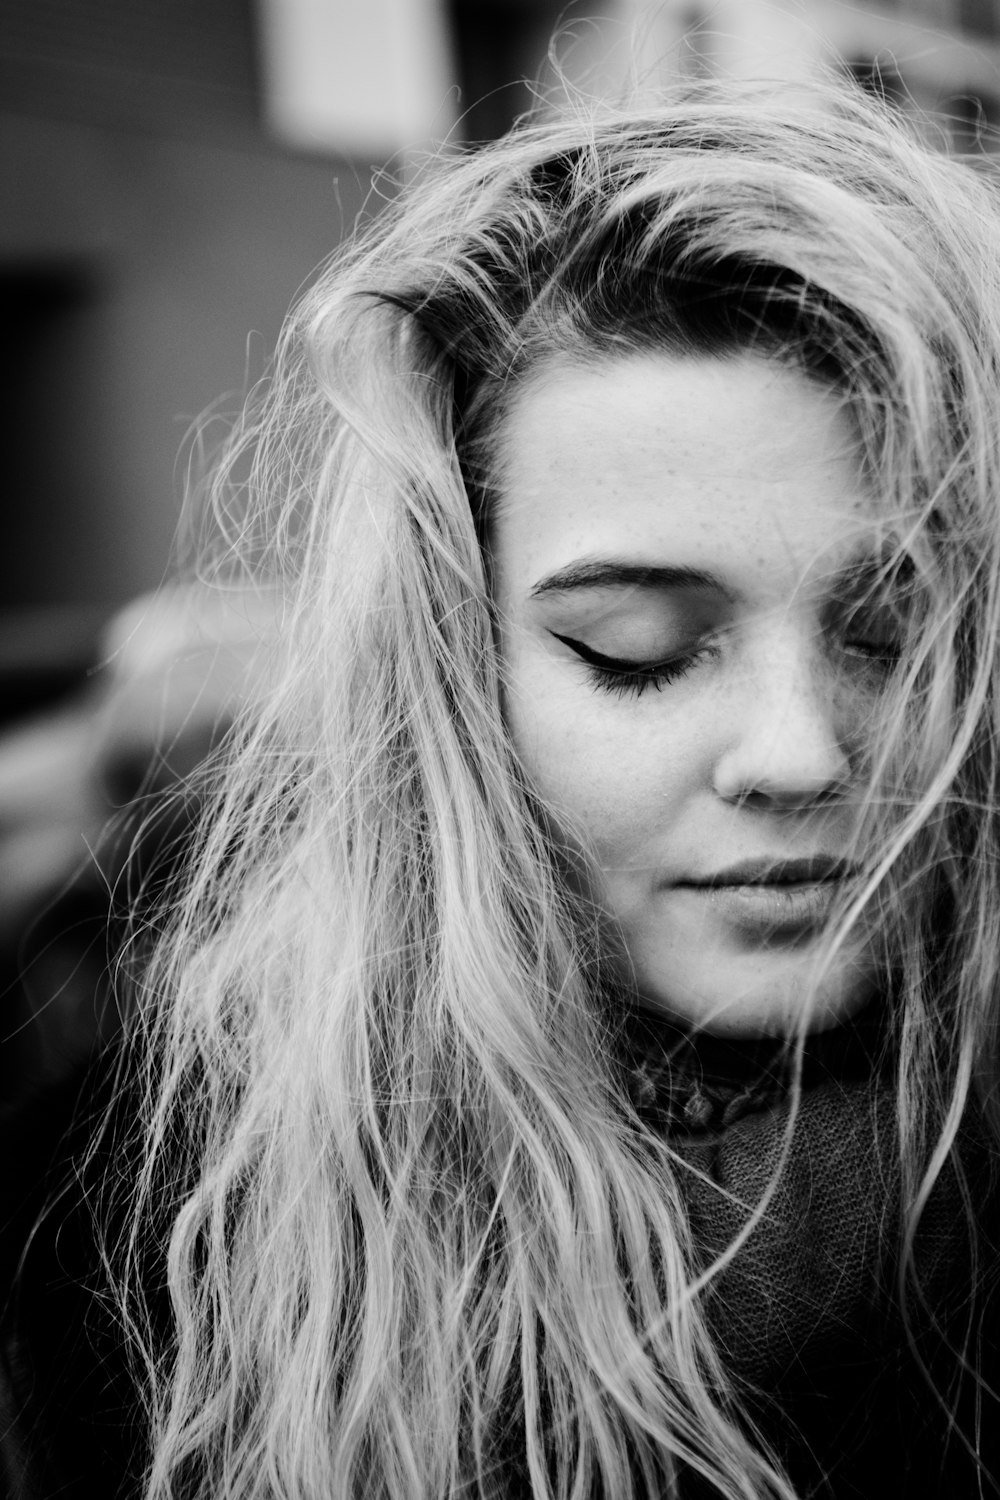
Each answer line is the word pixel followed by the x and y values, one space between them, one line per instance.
pixel 772 910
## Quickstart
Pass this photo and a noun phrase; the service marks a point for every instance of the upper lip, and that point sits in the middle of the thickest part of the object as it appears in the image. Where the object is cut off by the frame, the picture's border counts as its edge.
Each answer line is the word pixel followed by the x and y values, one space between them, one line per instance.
pixel 814 870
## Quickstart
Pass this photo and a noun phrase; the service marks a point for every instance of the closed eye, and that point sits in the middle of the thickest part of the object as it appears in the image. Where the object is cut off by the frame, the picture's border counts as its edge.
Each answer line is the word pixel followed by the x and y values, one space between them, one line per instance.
pixel 883 651
pixel 627 675
pixel 879 653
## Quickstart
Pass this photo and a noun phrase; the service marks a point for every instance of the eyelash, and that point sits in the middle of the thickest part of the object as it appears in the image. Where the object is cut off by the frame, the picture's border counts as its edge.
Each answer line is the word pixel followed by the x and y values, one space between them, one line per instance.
pixel 625 678
pixel 878 657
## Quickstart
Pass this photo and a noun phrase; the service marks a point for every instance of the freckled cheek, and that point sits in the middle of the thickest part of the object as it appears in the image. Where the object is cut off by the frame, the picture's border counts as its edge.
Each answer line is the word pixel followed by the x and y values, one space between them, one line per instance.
pixel 601 783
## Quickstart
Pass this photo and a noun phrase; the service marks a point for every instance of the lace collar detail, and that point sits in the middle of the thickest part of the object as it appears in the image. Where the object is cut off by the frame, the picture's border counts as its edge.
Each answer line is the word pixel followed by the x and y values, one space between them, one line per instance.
pixel 695 1084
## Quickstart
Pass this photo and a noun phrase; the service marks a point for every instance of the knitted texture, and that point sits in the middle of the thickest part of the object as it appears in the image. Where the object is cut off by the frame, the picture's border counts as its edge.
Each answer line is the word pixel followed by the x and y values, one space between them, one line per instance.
pixel 816 1167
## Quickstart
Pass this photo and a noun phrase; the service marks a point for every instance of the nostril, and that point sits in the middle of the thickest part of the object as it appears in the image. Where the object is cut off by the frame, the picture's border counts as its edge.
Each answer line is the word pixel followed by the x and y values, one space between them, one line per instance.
pixel 789 754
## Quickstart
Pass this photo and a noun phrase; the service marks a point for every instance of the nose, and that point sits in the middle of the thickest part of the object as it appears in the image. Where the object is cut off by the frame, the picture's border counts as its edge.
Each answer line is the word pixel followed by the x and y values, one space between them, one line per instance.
pixel 789 731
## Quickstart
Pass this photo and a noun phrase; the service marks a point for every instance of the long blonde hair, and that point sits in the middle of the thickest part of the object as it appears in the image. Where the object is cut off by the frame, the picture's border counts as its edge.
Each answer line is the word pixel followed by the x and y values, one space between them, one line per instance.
pixel 415 1225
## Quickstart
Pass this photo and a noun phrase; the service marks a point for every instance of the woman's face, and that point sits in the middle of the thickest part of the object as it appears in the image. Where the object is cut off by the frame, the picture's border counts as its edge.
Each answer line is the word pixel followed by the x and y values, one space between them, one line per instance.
pixel 684 552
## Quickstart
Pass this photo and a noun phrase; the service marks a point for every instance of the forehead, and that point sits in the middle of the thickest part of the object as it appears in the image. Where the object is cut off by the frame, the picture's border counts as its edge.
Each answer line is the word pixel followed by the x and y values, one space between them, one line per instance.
pixel 740 465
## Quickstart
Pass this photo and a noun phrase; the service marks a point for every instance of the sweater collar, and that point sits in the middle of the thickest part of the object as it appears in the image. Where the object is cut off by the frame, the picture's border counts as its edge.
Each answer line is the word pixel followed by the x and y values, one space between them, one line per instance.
pixel 694 1083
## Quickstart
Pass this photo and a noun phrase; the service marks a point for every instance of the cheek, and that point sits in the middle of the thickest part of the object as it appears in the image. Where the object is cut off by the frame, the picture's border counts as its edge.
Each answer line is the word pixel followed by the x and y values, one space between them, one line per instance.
pixel 608 790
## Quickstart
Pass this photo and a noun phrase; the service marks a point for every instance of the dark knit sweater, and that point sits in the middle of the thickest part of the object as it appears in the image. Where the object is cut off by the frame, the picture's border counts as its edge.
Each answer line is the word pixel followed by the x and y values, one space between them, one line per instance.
pixel 807 1316
pixel 857 1400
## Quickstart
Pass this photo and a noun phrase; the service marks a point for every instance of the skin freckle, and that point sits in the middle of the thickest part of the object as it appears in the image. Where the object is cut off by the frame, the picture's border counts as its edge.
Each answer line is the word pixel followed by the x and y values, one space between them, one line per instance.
pixel 685 720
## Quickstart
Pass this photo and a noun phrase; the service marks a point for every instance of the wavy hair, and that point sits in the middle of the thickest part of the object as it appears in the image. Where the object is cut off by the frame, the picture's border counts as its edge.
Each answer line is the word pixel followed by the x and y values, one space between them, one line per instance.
pixel 415 1225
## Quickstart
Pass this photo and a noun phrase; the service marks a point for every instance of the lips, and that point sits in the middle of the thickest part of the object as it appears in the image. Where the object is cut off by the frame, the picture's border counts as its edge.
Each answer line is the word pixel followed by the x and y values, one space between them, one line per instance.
pixel 816 869
pixel 772 897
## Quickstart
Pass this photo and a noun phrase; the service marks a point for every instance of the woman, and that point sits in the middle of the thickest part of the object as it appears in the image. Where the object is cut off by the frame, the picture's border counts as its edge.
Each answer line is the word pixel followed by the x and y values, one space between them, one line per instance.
pixel 569 1066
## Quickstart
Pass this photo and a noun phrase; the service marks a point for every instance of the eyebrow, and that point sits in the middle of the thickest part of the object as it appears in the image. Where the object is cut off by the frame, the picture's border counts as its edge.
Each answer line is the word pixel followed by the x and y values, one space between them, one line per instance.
pixel 610 574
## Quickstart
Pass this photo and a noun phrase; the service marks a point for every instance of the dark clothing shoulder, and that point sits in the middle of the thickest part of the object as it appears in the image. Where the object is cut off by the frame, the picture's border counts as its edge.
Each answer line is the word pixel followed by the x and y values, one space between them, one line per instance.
pixel 75 1428
pixel 859 1402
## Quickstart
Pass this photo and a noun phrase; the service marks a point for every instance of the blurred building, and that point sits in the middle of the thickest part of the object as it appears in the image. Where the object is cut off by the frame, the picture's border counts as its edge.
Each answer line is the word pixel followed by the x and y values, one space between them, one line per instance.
pixel 171 171
pixel 151 236
pixel 390 74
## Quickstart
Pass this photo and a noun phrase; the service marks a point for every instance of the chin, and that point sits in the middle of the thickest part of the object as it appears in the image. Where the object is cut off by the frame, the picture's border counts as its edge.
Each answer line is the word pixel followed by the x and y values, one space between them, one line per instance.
pixel 759 1005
